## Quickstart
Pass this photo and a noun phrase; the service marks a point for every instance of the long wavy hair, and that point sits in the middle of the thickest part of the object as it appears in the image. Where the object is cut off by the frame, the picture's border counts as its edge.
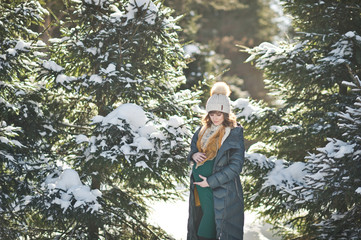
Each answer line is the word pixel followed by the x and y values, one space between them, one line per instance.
pixel 229 120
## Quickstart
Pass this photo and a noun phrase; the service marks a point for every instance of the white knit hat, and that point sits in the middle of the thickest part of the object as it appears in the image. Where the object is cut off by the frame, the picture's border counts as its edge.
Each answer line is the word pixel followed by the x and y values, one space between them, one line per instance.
pixel 219 100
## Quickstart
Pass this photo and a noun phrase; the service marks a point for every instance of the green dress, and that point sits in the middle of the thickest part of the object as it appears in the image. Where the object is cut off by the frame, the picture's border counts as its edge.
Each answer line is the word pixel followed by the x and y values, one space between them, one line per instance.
pixel 207 226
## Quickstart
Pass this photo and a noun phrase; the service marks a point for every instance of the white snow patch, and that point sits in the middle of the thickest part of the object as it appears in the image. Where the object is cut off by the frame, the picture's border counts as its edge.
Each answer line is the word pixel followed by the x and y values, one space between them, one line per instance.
pixel 258 159
pixel 132 9
pixel 111 68
pixel 267 48
pixel 158 135
pixel 11 51
pixel 191 50
pixel 4 140
pixel 95 78
pixel 282 176
pixel 147 130
pixel 51 65
pixel 337 148
pixel 92 50
pixel 21 45
pixel 72 187
pixel 81 138
pixel 97 119
pixel 278 129
pixel 247 109
pixel 350 34
pixel 62 78
pixel 40 43
pixel 142 164
pixel 131 113
pixel 116 12
pixel 142 143
pixel 175 121
pixel 68 179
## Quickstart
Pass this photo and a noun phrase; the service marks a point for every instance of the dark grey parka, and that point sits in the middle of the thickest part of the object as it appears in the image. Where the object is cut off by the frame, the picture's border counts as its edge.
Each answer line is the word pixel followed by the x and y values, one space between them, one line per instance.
pixel 226 186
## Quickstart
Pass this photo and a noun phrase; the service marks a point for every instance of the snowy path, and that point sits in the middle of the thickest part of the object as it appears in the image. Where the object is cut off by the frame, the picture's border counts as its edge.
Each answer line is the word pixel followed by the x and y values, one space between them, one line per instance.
pixel 173 216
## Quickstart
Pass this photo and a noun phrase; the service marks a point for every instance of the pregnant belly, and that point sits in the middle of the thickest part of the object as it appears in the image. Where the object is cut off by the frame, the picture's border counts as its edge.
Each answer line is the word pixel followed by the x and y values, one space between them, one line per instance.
pixel 205 170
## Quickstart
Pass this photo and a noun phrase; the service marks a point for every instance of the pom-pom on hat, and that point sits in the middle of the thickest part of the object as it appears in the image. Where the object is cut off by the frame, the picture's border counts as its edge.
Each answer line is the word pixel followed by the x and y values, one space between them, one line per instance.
pixel 219 99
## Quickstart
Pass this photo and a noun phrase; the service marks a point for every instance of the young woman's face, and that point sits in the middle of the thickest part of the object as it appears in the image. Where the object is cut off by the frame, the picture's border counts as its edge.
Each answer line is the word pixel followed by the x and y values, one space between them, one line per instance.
pixel 217 118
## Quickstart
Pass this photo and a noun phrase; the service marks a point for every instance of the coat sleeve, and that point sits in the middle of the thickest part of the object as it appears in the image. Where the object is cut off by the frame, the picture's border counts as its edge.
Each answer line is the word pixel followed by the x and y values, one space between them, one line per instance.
pixel 230 171
pixel 194 148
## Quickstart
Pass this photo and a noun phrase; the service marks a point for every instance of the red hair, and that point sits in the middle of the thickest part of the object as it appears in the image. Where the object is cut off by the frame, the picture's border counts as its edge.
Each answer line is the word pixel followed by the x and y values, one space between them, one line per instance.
pixel 229 120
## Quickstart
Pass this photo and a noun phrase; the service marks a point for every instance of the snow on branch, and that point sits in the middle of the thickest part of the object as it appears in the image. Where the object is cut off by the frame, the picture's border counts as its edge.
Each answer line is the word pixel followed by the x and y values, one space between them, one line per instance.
pixel 140 137
pixel 135 5
pixel 343 50
pixel 266 50
pixel 285 176
pixel 259 160
pixel 337 148
pixel 67 191
pixel 246 108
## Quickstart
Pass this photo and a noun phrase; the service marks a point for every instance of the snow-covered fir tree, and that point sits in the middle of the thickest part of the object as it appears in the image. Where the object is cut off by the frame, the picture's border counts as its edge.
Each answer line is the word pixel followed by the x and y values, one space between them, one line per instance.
pixel 114 76
pixel 306 79
pixel 331 192
pixel 26 127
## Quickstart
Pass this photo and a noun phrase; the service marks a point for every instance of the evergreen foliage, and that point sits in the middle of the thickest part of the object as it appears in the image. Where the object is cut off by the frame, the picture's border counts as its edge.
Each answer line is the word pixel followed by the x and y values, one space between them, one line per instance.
pixel 24 119
pixel 114 75
pixel 333 179
pixel 301 176
pixel 96 127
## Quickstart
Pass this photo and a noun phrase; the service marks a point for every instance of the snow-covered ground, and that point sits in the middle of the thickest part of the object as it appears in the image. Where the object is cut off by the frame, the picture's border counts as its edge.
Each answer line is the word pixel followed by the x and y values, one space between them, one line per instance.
pixel 172 216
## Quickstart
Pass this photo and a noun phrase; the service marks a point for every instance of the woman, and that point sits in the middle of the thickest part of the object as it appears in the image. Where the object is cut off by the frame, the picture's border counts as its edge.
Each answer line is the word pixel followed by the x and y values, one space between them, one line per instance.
pixel 217 153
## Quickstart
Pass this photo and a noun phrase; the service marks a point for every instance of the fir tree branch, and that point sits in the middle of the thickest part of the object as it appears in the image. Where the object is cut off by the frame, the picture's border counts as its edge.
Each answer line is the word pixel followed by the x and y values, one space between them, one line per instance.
pixel 74 126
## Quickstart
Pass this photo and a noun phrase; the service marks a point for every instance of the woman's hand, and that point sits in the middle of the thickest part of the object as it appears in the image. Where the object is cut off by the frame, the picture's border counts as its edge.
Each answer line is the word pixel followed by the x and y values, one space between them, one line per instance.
pixel 199 157
pixel 204 183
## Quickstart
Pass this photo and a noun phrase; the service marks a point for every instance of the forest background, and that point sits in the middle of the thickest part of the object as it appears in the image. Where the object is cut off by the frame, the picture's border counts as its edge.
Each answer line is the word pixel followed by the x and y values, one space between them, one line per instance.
pixel 99 99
